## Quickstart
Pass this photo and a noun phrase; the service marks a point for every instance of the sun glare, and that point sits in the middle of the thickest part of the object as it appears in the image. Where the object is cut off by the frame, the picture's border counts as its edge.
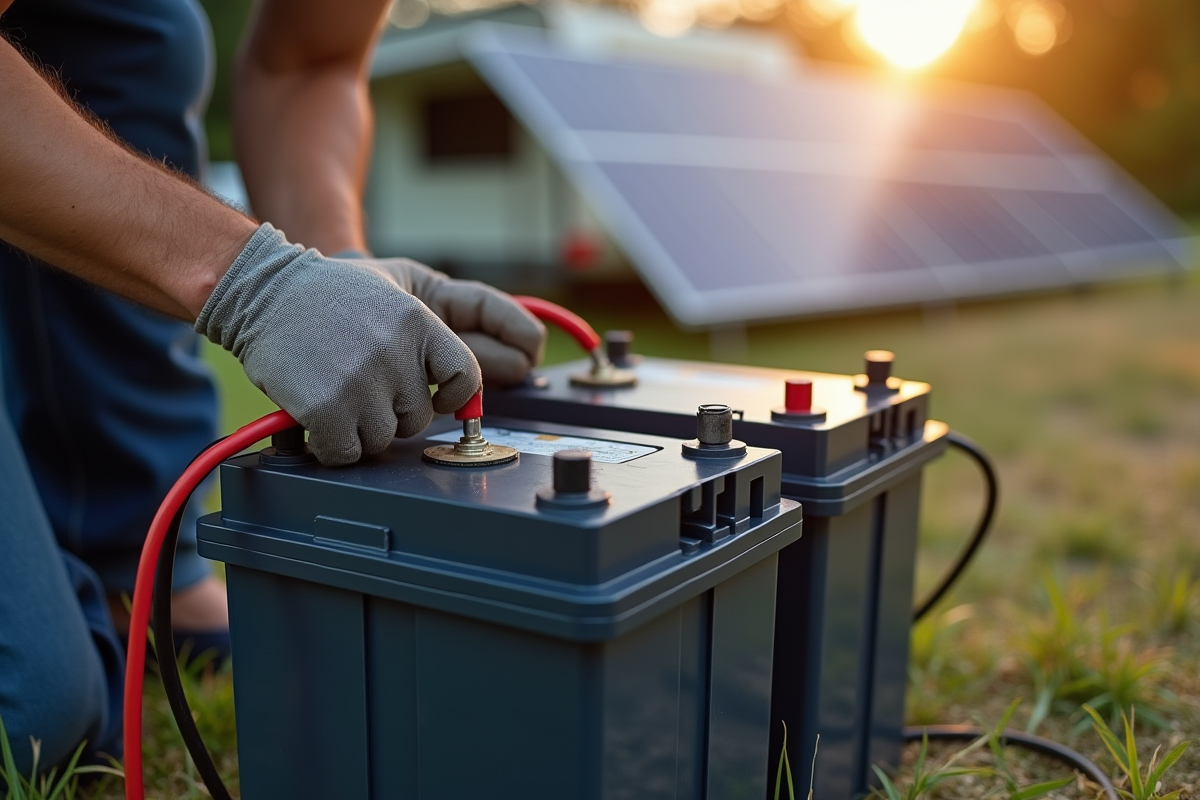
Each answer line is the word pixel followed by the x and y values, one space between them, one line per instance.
pixel 911 33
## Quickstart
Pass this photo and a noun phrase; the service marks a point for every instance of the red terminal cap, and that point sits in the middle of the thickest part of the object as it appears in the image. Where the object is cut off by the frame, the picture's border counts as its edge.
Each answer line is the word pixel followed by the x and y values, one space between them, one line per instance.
pixel 473 409
pixel 797 395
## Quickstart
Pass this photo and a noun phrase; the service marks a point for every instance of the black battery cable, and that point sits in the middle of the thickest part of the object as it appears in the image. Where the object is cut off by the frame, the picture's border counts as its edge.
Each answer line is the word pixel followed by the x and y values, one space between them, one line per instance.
pixel 991 497
pixel 168 667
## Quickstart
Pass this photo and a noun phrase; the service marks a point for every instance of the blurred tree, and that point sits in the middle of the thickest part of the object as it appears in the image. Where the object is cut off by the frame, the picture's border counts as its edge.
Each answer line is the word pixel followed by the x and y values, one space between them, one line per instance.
pixel 228 17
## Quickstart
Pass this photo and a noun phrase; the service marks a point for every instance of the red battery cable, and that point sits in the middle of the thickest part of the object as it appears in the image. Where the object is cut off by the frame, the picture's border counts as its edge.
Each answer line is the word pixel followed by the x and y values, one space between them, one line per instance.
pixel 575 325
pixel 139 620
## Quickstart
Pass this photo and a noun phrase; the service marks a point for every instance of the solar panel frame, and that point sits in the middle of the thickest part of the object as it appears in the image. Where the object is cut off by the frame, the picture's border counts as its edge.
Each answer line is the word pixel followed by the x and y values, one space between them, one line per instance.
pixel 1027 202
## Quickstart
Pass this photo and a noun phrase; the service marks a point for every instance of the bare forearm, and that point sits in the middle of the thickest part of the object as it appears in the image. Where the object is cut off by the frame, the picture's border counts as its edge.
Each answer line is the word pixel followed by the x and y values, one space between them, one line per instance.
pixel 74 198
pixel 303 119
pixel 302 142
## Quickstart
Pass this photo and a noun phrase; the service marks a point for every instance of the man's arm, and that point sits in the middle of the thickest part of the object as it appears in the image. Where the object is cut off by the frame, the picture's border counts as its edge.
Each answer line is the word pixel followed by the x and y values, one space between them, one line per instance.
pixel 303 132
pixel 302 121
pixel 72 196
pixel 342 347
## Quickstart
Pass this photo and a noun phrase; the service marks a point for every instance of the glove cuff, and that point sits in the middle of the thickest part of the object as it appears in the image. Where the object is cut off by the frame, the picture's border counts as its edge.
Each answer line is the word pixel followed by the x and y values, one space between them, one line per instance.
pixel 242 285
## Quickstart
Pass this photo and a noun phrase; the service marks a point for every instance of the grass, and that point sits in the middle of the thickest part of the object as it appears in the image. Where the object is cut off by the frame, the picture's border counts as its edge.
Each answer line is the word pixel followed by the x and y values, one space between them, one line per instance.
pixel 1125 754
pixel 1087 590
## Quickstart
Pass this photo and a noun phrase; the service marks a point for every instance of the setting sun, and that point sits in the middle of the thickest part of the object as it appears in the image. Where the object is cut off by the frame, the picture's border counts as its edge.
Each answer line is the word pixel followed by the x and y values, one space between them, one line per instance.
pixel 911 33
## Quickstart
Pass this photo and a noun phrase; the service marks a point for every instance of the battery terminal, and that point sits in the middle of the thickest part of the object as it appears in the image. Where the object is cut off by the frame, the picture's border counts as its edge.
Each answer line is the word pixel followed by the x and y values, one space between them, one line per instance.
pixel 714 434
pixel 472 449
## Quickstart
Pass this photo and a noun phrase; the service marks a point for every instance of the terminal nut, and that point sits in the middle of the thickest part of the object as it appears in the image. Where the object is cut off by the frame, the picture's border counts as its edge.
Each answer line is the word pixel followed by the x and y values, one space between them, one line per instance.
pixel 714 424
pixel 714 434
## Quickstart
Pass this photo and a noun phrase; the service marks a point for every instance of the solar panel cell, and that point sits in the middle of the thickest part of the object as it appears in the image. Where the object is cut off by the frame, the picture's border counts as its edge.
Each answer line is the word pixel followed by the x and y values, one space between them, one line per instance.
pixel 698 225
pixel 1092 219
pixel 799 195
pixel 937 129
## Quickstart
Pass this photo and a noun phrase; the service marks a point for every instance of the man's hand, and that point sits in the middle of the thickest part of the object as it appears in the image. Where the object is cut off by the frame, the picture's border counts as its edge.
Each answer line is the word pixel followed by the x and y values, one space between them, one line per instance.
pixel 506 339
pixel 340 345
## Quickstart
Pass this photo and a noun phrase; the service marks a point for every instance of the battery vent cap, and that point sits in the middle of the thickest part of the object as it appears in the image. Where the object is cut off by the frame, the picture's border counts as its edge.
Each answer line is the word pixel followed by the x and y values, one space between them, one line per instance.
pixel 797 403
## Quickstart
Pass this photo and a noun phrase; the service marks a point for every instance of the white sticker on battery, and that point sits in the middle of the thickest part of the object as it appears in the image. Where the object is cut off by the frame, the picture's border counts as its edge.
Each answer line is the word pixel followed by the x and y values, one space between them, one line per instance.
pixel 546 444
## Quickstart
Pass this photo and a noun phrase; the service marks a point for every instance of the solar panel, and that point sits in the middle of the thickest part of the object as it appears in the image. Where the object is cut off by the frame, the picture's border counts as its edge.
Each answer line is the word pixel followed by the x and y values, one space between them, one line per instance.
pixel 740 198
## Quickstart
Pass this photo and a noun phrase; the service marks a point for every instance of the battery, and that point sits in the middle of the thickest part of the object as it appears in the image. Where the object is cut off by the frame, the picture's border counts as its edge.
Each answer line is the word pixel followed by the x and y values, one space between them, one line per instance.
pixel 592 620
pixel 853 451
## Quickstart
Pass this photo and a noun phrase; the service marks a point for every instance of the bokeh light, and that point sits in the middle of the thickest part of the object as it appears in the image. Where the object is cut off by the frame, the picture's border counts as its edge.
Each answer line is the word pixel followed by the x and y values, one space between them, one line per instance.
pixel 668 17
pixel 911 33
pixel 1037 26
pixel 827 11
pixel 908 34
pixel 409 13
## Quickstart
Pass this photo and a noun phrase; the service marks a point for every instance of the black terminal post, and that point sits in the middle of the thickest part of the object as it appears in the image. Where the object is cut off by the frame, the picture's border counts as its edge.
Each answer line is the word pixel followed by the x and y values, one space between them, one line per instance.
pixel 877 375
pixel 288 449
pixel 571 484
pixel 619 345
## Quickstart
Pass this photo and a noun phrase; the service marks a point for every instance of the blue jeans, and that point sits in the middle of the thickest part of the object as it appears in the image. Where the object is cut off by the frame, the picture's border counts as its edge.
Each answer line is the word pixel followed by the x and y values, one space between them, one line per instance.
pixel 61 664
pixel 94 429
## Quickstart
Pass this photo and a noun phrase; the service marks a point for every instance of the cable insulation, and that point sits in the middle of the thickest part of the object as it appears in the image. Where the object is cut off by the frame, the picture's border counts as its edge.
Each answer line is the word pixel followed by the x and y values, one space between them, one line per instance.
pixel 575 325
pixel 992 492
pixel 168 668
pixel 171 506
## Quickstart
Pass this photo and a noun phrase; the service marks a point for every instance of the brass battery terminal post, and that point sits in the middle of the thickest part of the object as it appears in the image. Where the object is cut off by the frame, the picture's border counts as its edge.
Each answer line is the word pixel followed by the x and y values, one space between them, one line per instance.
pixel 604 373
pixel 471 450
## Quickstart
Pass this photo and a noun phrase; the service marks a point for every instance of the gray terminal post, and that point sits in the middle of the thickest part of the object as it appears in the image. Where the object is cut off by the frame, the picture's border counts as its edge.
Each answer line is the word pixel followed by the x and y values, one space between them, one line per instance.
pixel 714 434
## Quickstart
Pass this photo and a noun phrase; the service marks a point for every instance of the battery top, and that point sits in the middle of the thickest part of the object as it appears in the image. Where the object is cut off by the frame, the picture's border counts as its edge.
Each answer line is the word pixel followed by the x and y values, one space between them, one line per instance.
pixel 397 521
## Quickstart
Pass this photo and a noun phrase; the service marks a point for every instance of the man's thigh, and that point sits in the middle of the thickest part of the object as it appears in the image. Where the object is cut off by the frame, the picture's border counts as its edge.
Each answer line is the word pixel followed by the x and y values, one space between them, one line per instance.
pixel 60 662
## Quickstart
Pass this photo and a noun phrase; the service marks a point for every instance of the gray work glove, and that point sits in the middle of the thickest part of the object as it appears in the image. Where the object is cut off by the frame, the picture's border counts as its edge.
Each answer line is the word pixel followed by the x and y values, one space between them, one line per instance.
pixel 339 345
pixel 506 339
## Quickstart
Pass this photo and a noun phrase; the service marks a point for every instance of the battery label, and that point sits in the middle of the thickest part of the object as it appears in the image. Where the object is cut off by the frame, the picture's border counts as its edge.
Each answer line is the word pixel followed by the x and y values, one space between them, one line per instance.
pixel 545 444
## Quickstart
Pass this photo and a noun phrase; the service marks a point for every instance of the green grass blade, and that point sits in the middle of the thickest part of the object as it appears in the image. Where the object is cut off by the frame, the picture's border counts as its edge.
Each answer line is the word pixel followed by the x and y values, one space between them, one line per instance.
pixel 812 772
pixel 919 767
pixel 1168 761
pixel 1040 789
pixel 11 777
pixel 888 787
pixel 1108 737
pixel 783 763
pixel 1135 777
pixel 1006 717
pixel 68 774
pixel 787 771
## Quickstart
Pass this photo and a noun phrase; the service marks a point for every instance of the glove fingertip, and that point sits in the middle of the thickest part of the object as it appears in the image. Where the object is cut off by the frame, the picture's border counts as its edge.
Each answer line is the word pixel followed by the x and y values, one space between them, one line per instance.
pixel 334 453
